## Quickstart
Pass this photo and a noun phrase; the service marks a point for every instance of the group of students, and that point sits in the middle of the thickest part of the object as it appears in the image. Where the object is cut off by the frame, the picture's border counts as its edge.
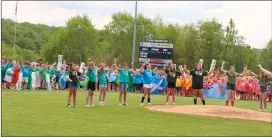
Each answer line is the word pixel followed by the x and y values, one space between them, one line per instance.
pixel 22 75
pixel 41 76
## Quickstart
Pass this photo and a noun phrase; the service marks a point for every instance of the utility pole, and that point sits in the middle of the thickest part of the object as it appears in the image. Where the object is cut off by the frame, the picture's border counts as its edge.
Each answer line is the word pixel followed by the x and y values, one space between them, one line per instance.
pixel 134 37
pixel 14 54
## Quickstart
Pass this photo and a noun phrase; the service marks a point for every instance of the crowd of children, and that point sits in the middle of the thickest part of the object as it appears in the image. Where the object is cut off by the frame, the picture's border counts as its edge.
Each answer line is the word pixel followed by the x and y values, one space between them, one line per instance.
pixel 25 75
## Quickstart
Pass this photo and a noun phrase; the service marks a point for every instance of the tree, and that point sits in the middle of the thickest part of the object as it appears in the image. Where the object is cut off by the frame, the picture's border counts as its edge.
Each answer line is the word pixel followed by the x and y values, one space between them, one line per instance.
pixel 211 37
pixel 74 41
pixel 267 56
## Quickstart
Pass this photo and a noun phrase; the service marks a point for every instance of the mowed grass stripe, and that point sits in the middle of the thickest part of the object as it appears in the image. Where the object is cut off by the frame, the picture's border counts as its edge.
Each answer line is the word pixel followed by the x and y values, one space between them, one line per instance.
pixel 44 113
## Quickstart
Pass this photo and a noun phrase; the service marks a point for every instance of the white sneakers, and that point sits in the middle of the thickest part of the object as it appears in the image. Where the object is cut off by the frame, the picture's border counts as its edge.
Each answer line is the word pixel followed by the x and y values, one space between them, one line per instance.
pixel 120 104
pixel 147 104
pixel 172 103
pixel 70 106
pixel 89 105
pixel 264 110
pixel 101 103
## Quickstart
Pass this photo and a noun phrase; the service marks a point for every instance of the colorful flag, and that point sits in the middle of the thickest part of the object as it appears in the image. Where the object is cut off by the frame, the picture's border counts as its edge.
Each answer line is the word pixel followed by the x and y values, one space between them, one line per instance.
pixel 83 80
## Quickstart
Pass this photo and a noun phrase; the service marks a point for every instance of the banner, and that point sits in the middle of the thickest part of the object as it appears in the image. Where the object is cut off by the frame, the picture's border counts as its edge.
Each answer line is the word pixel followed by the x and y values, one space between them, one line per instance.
pixel 158 85
pixel 63 79
pixel 216 91
pixel 59 62
pixel 212 65
pixel 201 62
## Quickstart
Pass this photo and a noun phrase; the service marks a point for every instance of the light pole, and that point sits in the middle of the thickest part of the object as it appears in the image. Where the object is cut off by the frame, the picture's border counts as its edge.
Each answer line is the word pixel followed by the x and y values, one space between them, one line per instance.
pixel 15 30
pixel 134 38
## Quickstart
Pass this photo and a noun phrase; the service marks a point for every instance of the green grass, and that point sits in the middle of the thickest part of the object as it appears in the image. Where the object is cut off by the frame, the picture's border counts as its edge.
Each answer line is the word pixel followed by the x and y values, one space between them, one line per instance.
pixel 44 113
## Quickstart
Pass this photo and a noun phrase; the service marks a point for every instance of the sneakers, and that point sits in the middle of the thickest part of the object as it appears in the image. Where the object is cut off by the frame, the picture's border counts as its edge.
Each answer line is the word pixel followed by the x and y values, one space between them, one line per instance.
pixel 92 105
pixel 142 103
pixel 260 110
pixel 264 110
pixel 166 103
pixel 68 106
pixel 101 103
pixel 125 104
pixel 75 106
pixel 174 103
pixel 148 103
pixel 88 106
pixel 120 104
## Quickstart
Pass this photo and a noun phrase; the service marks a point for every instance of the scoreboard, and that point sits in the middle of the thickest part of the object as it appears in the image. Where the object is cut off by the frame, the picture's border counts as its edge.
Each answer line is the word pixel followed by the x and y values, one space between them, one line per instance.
pixel 156 52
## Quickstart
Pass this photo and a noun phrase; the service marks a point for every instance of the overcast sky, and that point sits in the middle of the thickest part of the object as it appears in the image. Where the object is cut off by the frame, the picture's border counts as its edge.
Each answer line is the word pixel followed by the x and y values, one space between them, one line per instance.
pixel 252 18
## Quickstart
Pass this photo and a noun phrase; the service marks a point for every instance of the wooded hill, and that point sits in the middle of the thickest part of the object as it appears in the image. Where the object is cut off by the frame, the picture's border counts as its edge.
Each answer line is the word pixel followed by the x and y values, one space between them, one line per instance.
pixel 203 39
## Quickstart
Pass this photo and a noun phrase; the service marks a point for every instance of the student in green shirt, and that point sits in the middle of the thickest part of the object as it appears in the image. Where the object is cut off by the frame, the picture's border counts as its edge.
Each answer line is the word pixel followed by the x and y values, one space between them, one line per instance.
pixel 102 72
pixel 263 83
pixel 231 82
pixel 44 71
pixel 124 79
pixel 91 73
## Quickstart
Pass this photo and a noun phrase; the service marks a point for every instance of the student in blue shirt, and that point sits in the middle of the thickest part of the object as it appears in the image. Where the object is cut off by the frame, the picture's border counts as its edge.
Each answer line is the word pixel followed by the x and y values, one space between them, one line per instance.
pixel 137 80
pixel 111 79
pixel 147 79
pixel 26 71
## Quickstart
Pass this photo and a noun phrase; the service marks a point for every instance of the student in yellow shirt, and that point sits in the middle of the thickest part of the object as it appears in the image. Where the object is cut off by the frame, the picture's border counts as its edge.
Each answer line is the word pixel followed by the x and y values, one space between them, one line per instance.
pixel 178 85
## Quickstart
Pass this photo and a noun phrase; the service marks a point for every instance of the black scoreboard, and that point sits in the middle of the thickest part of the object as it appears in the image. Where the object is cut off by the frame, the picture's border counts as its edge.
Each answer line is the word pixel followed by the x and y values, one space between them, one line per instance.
pixel 155 52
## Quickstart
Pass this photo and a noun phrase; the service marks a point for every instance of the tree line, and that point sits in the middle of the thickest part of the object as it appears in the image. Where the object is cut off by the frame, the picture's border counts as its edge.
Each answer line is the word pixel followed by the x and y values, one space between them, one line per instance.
pixel 79 40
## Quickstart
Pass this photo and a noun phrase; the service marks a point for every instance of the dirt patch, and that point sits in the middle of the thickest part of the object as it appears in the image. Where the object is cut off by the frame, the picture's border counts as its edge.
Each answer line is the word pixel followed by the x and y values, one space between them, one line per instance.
pixel 216 111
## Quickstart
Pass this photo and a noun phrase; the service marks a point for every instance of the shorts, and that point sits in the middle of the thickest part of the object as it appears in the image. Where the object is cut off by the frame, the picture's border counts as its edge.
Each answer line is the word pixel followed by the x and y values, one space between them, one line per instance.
pixel 57 78
pixel 25 79
pixel 91 86
pixel 102 85
pixel 137 86
pixel 73 85
pixel 171 85
pixel 141 85
pixel 148 86
pixel 197 86
pixel 262 89
pixel 123 86
pixel 231 86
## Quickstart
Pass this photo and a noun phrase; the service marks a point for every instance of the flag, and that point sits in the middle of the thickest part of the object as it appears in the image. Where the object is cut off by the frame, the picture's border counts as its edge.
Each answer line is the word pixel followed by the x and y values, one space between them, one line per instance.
pixel 16 8
pixel 83 80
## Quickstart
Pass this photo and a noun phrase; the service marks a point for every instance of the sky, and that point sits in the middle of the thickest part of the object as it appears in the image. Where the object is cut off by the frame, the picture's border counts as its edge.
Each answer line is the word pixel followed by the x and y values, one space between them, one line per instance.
pixel 253 19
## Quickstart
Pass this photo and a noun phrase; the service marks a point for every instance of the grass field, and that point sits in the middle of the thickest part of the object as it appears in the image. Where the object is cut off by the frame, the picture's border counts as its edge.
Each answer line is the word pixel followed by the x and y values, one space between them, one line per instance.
pixel 44 113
